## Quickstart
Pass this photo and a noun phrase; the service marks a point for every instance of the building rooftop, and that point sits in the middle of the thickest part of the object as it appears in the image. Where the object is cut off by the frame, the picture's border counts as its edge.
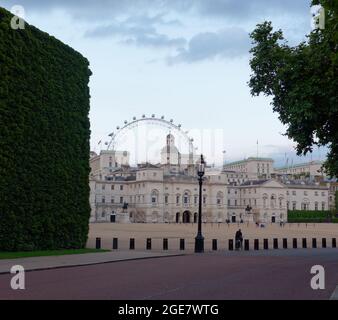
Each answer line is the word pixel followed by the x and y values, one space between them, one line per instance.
pixel 253 183
pixel 247 160
pixel 299 165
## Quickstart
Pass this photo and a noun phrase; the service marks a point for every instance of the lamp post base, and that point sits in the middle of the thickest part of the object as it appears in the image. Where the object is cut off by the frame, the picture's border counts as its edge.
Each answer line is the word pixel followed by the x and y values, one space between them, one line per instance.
pixel 199 244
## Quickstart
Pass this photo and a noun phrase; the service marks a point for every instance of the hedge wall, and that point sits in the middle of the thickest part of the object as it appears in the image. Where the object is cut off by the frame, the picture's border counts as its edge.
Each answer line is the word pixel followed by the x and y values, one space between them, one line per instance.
pixel 44 141
pixel 309 216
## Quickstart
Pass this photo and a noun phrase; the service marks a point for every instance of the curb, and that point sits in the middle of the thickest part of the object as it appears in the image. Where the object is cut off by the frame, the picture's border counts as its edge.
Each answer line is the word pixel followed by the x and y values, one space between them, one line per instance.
pixel 94 263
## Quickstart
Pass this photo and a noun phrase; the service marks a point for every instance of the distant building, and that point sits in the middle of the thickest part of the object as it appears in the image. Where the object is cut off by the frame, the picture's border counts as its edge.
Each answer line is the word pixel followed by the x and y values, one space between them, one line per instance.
pixel 247 190
pixel 253 168
pixel 312 168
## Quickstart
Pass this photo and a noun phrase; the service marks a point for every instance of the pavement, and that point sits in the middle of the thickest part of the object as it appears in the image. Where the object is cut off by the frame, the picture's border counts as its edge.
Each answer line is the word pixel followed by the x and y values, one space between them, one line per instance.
pixel 221 275
pixel 66 261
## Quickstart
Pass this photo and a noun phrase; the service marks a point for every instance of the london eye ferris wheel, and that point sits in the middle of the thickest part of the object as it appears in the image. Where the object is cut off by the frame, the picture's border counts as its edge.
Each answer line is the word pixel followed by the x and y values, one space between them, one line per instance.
pixel 145 137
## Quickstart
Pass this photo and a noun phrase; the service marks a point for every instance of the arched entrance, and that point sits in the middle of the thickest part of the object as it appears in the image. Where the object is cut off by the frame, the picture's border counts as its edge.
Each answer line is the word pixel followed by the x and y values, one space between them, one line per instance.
pixel 186 216
pixel 178 217
pixel 273 218
pixel 195 217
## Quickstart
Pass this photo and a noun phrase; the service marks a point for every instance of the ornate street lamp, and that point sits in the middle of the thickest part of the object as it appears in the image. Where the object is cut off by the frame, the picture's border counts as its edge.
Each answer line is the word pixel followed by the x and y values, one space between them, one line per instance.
pixel 199 240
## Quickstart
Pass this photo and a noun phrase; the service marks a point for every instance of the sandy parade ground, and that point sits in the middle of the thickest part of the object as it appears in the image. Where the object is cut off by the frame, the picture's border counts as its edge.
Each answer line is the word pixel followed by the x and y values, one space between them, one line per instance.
pixel 221 232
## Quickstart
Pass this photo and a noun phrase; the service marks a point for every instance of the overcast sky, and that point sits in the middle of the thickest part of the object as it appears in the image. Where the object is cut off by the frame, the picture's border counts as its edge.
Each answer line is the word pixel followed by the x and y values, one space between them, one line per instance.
pixel 185 59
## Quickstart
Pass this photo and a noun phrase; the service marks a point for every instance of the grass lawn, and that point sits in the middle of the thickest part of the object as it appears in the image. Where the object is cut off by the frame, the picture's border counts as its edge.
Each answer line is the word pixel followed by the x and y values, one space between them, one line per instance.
pixel 16 255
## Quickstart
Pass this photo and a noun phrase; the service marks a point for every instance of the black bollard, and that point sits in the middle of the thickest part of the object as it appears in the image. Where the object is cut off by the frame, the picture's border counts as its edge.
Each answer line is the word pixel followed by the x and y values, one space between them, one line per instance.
pixel 304 243
pixel 132 244
pixel 294 243
pixel 148 245
pixel 246 245
pixel 323 242
pixel 115 243
pixel 165 244
pixel 266 244
pixel 275 243
pixel 98 243
pixel 285 243
pixel 256 244
pixel 214 244
pixel 334 243
pixel 314 243
pixel 182 244
pixel 231 245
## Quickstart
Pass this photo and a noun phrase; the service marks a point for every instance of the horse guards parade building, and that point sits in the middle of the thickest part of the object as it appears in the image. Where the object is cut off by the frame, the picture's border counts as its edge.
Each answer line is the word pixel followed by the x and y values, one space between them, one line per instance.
pixel 251 190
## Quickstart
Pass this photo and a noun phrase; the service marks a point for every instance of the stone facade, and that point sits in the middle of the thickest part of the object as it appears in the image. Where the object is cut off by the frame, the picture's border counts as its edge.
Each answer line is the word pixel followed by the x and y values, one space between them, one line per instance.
pixel 168 192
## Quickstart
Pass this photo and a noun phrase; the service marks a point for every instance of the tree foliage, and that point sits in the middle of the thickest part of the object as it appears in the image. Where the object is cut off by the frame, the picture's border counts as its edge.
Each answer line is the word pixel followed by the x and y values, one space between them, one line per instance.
pixel 303 81
pixel 44 141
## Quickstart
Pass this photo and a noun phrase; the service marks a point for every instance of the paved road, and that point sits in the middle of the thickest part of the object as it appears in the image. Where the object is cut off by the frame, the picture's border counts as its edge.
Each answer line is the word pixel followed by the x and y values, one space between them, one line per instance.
pixel 207 276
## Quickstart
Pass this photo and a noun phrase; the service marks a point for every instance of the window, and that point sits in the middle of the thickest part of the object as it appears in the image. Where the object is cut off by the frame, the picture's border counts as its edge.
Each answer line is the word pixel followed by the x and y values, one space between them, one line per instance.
pixel 305 193
pixel 323 206
pixel 112 200
pixel 121 199
pixel 316 193
pixel 166 199
pixel 204 199
pixel 121 187
pixel 103 200
pixel 316 205
pixel 195 199
pixel 178 199
pixel 265 200
pixel 229 203
pixel 154 197
pixel 186 198
pixel 323 194
pixel 219 199
pixel 103 187
pixel 293 193
pixel 273 201
pixel 294 205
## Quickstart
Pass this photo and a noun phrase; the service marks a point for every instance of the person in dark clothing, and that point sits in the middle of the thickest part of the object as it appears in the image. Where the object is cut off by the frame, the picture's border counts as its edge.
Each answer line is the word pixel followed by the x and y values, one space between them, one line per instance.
pixel 239 239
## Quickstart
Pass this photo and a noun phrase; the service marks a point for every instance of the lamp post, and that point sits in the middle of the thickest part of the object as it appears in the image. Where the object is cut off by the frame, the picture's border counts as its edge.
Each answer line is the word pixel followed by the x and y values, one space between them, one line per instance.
pixel 199 240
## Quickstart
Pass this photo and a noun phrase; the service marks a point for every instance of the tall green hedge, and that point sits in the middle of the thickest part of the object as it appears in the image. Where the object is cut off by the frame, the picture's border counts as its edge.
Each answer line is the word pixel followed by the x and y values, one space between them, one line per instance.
pixel 44 141
pixel 309 216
